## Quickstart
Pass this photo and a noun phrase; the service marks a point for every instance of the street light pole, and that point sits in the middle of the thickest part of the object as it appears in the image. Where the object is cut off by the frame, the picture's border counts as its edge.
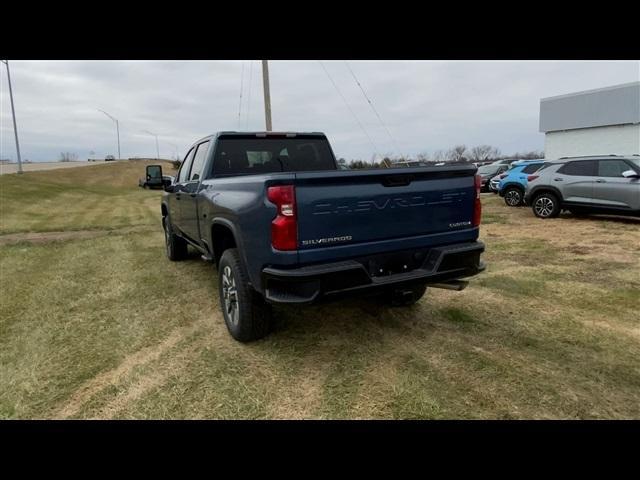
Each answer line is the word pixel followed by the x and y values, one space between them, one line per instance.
pixel 13 113
pixel 175 147
pixel 118 134
pixel 117 129
pixel 267 94
pixel 157 148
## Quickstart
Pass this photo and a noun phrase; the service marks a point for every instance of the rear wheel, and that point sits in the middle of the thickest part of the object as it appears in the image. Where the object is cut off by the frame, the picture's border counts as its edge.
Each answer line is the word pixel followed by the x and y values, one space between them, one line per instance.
pixel 245 312
pixel 175 246
pixel 513 197
pixel 406 296
pixel 546 205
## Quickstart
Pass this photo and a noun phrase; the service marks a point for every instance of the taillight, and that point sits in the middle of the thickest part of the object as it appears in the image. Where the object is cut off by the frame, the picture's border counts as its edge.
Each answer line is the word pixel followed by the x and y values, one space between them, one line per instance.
pixel 284 228
pixel 477 208
pixel 532 177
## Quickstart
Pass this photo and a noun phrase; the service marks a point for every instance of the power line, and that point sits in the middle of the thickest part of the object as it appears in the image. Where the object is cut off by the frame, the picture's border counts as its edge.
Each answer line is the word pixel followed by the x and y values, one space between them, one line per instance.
pixel 241 86
pixel 249 96
pixel 375 150
pixel 373 108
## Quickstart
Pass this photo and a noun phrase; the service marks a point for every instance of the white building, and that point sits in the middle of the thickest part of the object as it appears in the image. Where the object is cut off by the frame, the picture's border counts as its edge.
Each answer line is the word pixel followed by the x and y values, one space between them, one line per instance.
pixel 594 122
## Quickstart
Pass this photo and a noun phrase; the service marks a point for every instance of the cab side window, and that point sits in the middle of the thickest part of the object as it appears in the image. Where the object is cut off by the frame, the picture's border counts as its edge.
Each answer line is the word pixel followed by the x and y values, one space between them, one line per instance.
pixel 581 168
pixel 198 161
pixel 183 175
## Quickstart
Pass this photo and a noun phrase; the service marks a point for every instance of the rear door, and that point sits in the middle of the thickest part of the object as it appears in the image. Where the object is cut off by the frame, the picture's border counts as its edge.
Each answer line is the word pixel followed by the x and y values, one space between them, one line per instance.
pixel 358 207
pixel 575 180
pixel 189 206
pixel 175 198
pixel 611 189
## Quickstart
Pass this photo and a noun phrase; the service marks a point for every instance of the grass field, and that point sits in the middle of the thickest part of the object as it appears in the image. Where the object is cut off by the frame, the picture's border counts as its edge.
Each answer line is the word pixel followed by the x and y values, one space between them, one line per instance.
pixel 95 322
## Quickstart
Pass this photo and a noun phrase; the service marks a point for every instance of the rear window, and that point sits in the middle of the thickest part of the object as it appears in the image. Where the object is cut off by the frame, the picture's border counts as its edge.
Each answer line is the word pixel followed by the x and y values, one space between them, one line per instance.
pixel 545 165
pixel 532 168
pixel 241 156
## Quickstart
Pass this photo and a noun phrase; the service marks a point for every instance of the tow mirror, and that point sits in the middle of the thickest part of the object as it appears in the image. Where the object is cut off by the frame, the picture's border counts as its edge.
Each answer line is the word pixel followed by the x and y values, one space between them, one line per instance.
pixel 167 183
pixel 630 174
pixel 154 172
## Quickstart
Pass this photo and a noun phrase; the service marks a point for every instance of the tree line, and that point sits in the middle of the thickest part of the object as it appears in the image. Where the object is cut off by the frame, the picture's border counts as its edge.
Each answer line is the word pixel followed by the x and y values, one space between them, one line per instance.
pixel 456 154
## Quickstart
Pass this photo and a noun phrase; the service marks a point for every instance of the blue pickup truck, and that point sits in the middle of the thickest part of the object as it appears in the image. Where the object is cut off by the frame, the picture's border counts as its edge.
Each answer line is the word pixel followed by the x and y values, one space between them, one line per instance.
pixel 284 225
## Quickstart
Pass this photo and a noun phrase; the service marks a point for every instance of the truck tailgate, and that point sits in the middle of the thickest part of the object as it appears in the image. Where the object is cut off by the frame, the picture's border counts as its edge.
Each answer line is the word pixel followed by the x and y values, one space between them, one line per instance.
pixel 368 207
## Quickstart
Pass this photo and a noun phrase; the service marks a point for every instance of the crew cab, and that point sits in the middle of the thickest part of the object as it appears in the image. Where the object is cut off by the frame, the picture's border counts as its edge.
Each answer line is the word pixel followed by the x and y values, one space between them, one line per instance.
pixel 284 225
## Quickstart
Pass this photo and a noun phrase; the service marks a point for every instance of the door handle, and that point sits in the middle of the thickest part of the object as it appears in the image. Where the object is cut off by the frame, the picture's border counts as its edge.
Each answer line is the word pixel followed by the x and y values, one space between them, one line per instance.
pixel 601 181
pixel 177 196
pixel 192 195
pixel 557 179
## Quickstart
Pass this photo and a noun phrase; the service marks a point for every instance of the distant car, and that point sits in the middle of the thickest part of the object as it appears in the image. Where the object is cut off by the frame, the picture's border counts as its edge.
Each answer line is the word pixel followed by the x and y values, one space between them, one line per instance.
pixel 494 183
pixel 506 161
pixel 606 184
pixel 109 158
pixel 513 183
pixel 487 172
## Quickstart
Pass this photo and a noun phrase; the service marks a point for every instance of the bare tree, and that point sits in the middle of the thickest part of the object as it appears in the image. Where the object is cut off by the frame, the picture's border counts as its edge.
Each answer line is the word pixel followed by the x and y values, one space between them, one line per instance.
pixel 457 153
pixel 531 155
pixel 438 156
pixel 483 153
pixel 386 163
pixel 423 157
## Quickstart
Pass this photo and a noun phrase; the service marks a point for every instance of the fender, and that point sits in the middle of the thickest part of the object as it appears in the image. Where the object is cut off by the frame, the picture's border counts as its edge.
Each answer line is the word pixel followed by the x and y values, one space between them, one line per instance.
pixel 551 188
pixel 511 184
pixel 236 235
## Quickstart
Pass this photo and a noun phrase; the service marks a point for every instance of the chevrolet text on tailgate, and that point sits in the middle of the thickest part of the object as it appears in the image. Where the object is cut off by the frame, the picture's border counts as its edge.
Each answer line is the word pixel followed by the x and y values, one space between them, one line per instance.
pixel 284 225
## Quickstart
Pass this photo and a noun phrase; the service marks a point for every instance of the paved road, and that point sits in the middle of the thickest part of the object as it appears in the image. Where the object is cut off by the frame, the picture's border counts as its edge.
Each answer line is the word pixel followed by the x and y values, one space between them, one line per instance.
pixel 32 167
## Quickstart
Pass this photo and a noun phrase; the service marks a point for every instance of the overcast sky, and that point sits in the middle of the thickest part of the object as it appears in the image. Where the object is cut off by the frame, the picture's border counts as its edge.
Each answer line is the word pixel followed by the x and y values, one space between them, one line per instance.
pixel 426 105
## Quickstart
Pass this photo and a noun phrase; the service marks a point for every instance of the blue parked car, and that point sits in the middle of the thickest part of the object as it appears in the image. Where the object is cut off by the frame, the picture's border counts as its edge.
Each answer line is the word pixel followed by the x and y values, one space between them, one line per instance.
pixel 514 181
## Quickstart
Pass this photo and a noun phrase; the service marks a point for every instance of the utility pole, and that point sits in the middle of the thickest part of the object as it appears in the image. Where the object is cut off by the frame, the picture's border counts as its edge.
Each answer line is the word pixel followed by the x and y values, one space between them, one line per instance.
pixel 267 95
pixel 117 129
pixel 175 147
pixel 13 113
pixel 157 148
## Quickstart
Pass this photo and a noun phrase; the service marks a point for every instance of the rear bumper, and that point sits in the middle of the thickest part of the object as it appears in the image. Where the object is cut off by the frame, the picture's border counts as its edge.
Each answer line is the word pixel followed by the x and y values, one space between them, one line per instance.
pixel 372 273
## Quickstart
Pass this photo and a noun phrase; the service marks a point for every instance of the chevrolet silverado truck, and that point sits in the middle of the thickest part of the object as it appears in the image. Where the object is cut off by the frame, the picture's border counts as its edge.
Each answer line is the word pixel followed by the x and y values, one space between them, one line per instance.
pixel 284 225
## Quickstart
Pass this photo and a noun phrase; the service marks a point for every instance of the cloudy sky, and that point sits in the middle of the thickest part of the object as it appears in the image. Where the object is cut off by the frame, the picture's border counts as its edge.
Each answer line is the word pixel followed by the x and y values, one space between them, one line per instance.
pixel 426 105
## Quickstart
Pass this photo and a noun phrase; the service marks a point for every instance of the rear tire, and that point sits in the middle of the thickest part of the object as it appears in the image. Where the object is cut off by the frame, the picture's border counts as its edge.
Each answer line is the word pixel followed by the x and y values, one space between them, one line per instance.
pixel 175 246
pixel 246 314
pixel 406 296
pixel 513 197
pixel 546 205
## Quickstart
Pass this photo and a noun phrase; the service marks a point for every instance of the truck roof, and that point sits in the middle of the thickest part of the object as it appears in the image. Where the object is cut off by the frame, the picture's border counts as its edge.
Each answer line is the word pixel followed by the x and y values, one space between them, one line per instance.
pixel 259 134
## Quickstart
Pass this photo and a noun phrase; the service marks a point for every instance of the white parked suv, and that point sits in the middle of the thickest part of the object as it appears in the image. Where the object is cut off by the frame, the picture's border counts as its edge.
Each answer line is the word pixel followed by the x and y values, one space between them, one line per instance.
pixel 607 184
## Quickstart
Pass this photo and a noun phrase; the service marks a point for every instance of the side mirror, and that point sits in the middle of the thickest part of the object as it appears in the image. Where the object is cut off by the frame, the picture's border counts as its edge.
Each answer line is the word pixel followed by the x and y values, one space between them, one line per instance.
pixel 168 187
pixel 630 174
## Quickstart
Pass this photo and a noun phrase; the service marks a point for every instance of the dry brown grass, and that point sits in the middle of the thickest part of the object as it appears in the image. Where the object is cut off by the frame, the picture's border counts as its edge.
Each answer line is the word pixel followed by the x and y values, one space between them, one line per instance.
pixel 106 327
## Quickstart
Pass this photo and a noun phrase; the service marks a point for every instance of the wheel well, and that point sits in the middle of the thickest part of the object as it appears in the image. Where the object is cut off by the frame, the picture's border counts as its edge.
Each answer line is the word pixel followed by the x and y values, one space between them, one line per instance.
pixel 221 238
pixel 514 185
pixel 164 210
pixel 539 191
